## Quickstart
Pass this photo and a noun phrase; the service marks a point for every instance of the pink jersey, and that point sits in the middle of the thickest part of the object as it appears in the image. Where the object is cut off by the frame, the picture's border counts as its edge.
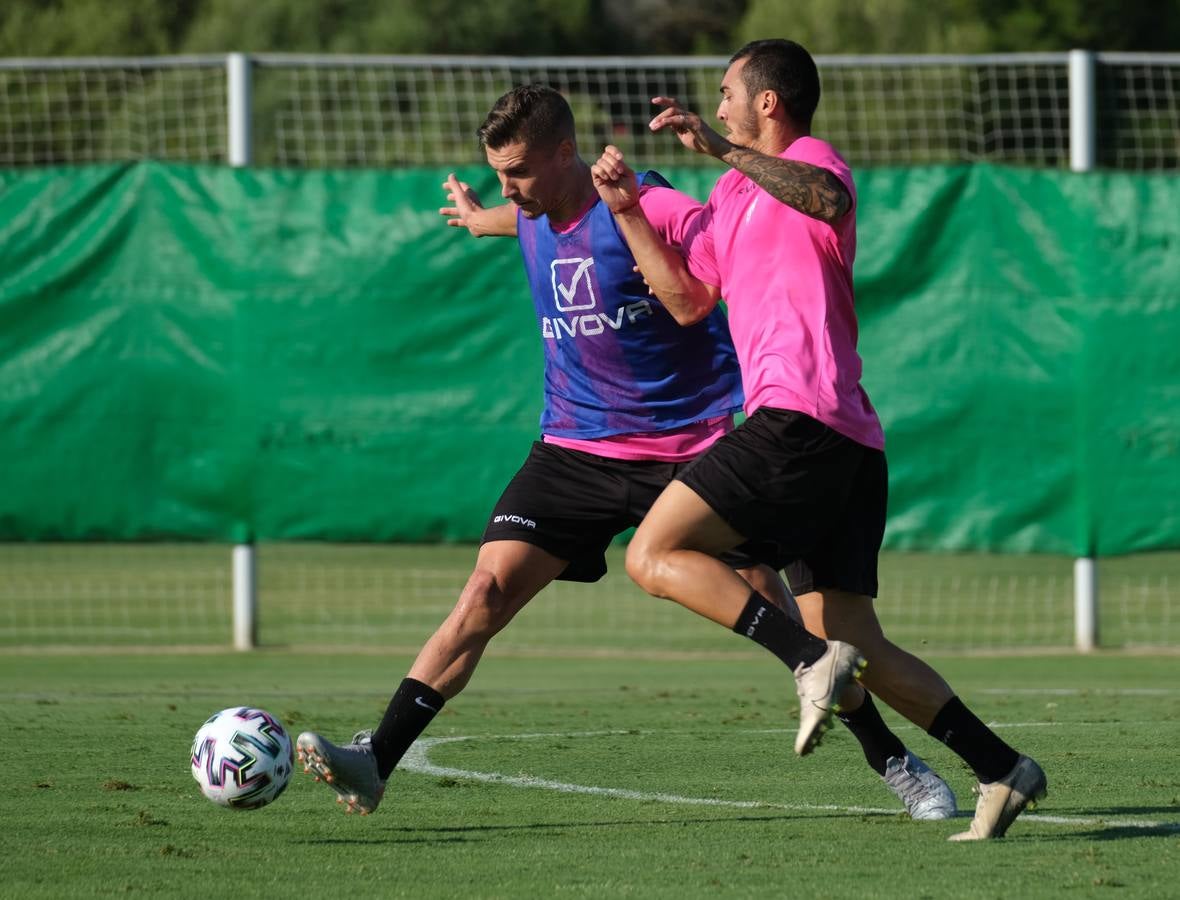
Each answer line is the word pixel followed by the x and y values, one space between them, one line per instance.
pixel 675 445
pixel 787 281
pixel 671 214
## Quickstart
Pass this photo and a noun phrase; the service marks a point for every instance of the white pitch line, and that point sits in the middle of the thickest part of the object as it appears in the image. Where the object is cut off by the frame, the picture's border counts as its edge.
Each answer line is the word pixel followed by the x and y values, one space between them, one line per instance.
pixel 417 760
pixel 1105 823
pixel 1076 692
pixel 905 726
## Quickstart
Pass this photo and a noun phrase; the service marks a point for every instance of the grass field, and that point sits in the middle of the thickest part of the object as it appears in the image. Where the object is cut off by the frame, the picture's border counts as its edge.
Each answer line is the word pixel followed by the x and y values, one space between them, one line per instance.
pixel 698 794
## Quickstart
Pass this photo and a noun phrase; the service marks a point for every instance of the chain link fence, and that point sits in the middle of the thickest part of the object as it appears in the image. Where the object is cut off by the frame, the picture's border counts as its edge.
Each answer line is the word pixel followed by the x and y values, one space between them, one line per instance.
pixel 370 111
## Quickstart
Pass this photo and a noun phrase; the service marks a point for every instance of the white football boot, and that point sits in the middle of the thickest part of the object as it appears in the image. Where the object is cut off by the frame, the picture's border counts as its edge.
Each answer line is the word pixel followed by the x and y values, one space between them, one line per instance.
pixel 927 797
pixel 819 687
pixel 1002 801
pixel 351 771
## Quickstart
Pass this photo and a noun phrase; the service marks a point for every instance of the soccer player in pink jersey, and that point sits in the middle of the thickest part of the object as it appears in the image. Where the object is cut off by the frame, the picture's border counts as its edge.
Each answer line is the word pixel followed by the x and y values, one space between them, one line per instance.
pixel 630 397
pixel 803 481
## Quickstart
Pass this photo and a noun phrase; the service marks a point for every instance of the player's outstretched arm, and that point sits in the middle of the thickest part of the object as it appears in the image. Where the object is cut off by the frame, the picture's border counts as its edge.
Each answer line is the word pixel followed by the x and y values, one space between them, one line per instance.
pixel 811 190
pixel 468 212
pixel 686 297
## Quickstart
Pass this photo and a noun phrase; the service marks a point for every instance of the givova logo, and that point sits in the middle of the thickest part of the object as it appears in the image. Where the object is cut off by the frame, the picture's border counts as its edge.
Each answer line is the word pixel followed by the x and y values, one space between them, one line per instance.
pixel 573 291
pixel 513 519
pixel 573 288
pixel 594 323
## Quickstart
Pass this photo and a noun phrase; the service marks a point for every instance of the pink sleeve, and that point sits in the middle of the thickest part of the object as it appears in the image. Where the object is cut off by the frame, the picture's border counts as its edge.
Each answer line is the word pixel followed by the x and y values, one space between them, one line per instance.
pixel 670 212
pixel 683 223
pixel 698 248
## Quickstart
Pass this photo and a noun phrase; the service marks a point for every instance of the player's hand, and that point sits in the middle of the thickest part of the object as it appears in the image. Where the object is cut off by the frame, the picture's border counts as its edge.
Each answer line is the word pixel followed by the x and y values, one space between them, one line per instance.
pixel 466 205
pixel 688 127
pixel 615 180
pixel 468 212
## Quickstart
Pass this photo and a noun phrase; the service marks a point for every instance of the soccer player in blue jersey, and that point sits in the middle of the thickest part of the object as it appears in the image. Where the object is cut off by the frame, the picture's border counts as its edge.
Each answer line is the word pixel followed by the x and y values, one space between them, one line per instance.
pixel 630 397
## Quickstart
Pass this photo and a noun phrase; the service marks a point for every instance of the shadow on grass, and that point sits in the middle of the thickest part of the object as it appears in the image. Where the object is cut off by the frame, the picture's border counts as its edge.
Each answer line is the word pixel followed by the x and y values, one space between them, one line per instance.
pixel 409 834
pixel 1118 833
pixel 328 841
pixel 1115 830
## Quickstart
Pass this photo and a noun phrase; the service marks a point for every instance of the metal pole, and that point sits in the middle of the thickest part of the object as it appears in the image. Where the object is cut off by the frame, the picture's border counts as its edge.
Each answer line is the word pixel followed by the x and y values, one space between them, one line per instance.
pixel 1082 111
pixel 1082 158
pixel 245 597
pixel 239 150
pixel 1085 603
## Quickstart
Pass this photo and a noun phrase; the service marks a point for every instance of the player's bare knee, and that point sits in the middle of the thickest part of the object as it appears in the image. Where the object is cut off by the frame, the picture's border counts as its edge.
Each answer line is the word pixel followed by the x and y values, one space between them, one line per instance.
pixel 484 606
pixel 635 563
pixel 643 567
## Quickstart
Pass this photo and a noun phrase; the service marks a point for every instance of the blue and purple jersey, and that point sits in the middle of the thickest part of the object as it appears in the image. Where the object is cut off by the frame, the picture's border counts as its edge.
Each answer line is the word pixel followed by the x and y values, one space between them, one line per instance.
pixel 616 362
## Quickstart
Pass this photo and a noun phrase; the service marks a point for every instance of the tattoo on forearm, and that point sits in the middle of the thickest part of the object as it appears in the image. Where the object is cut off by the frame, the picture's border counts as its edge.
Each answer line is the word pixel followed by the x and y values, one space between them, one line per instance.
pixel 813 191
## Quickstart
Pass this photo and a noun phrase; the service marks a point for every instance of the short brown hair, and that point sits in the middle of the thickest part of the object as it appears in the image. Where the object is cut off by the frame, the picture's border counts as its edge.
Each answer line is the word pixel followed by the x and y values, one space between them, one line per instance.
pixel 533 114
pixel 785 68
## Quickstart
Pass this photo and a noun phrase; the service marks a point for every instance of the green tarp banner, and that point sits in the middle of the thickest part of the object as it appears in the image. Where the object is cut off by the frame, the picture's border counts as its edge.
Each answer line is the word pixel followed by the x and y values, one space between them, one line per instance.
pixel 213 354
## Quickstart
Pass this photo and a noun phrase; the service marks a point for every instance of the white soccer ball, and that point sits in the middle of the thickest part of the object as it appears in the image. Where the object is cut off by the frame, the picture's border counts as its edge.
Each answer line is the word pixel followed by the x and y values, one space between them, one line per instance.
pixel 242 758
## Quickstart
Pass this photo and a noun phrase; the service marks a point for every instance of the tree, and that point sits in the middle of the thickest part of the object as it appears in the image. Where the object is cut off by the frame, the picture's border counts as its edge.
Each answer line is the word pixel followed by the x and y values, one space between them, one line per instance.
pixel 92 27
pixel 868 26
pixel 1016 25
pixel 515 27
pixel 963 26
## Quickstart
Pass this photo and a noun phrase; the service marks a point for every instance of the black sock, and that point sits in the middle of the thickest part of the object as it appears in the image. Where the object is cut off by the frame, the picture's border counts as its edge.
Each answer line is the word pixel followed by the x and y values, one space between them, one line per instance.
pixel 409 712
pixel 876 740
pixel 961 730
pixel 764 623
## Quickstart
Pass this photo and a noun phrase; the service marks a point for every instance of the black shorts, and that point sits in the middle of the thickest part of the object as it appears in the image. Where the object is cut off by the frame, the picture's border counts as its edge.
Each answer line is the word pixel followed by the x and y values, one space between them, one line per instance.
pixel 808 499
pixel 573 504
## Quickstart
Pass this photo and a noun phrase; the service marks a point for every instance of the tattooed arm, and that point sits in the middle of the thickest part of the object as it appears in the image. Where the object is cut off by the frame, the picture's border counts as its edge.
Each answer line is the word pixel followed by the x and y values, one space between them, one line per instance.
pixel 814 191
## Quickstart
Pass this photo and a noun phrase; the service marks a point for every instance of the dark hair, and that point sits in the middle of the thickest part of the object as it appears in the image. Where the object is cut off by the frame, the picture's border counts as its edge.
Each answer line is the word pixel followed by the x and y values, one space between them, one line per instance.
pixel 533 114
pixel 785 68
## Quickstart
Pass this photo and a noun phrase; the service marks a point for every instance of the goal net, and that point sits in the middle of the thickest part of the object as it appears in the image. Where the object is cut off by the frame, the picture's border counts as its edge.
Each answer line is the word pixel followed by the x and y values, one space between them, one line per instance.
pixel 342 111
pixel 391 598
